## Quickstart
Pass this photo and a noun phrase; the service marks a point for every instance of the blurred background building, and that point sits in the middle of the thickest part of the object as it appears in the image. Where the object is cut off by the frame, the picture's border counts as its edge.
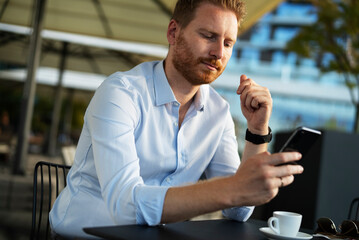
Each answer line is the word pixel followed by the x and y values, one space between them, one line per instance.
pixel 302 95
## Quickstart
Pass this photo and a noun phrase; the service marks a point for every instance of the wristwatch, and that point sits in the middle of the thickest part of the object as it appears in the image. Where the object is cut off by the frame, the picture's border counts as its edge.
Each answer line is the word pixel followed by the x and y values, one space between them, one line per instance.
pixel 259 139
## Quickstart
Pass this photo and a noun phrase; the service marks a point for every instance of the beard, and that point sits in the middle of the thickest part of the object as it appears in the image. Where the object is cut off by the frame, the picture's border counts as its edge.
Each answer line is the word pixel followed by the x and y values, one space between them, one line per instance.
pixel 191 68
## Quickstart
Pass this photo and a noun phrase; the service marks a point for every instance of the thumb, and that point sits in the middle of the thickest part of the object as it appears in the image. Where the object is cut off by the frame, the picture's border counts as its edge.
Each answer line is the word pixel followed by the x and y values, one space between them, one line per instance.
pixel 241 87
pixel 243 78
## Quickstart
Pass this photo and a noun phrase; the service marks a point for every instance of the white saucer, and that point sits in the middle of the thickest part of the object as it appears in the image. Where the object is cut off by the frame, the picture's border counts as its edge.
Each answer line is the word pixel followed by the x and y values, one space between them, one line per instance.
pixel 272 235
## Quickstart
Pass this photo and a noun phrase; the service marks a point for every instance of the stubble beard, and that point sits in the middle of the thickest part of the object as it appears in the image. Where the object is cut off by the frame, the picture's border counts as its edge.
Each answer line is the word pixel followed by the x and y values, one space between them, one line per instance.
pixel 191 68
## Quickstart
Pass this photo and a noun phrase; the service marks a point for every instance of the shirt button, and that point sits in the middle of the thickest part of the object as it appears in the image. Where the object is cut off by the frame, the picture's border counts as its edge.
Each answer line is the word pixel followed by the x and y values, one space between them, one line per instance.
pixel 176 104
pixel 176 124
pixel 168 179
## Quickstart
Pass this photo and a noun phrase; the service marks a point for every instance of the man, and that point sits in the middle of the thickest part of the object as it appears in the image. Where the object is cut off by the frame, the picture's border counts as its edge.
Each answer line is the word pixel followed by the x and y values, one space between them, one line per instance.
pixel 151 132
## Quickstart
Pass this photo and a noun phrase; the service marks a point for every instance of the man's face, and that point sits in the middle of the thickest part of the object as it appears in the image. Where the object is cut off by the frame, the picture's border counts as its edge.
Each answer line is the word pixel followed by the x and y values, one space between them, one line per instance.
pixel 203 48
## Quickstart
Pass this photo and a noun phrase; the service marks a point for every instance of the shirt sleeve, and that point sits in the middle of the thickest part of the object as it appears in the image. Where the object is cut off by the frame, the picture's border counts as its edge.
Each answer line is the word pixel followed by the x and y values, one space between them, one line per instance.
pixel 226 162
pixel 226 158
pixel 112 117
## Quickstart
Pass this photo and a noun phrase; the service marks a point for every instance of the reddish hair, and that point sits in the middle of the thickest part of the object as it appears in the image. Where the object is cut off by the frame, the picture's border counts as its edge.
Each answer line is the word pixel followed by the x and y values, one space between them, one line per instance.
pixel 185 10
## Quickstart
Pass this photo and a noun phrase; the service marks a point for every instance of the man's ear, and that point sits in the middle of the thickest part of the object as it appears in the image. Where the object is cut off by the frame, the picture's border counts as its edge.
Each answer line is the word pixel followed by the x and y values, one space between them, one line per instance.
pixel 172 32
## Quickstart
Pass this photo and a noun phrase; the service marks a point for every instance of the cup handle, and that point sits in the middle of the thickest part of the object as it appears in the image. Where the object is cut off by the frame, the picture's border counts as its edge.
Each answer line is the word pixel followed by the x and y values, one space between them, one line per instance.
pixel 273 224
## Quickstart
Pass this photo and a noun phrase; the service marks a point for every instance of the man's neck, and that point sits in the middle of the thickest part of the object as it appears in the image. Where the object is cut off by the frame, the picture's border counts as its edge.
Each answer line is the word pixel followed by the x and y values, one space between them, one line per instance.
pixel 183 90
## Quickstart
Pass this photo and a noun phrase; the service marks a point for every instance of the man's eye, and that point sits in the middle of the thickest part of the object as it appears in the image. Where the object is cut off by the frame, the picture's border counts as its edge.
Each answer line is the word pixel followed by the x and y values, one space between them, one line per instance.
pixel 208 36
pixel 228 44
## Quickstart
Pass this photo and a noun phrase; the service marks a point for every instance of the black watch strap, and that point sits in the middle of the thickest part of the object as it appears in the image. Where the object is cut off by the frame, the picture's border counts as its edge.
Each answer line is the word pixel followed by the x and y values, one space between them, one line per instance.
pixel 259 139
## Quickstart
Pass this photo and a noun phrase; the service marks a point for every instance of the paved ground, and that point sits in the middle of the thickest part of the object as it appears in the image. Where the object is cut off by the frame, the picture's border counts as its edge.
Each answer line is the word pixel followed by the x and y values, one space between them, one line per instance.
pixel 16 199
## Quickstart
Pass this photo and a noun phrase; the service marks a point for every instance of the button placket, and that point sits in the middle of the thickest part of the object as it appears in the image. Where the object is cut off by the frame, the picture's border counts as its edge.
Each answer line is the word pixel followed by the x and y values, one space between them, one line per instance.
pixel 176 112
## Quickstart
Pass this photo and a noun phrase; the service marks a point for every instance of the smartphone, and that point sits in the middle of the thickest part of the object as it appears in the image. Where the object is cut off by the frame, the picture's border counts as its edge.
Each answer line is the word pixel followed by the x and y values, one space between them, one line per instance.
pixel 301 140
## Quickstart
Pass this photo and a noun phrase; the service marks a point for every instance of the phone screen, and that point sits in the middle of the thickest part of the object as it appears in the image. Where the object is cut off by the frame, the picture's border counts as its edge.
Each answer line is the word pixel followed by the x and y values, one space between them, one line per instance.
pixel 301 140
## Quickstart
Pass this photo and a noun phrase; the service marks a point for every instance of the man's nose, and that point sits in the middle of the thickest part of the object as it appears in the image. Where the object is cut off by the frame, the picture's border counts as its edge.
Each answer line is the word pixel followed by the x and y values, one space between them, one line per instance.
pixel 217 50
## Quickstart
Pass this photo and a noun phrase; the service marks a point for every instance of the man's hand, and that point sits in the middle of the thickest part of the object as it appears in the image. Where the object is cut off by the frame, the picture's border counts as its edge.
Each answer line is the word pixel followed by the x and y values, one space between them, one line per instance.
pixel 258 179
pixel 256 104
pixel 256 182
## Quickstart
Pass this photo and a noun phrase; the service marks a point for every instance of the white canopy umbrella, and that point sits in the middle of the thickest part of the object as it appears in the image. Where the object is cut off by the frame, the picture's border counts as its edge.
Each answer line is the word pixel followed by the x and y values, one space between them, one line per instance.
pixel 125 32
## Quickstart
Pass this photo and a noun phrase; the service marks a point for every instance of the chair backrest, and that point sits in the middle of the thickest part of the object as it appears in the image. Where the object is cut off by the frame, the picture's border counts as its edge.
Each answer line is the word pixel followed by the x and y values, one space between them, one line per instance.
pixel 49 180
pixel 354 210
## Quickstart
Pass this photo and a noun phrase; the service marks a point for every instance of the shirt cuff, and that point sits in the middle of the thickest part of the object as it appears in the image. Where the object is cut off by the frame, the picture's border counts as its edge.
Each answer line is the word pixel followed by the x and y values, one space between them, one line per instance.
pixel 240 214
pixel 149 204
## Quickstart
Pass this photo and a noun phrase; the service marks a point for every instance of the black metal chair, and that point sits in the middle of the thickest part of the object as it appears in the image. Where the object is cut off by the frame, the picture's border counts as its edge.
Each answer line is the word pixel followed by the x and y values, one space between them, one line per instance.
pixel 354 210
pixel 51 178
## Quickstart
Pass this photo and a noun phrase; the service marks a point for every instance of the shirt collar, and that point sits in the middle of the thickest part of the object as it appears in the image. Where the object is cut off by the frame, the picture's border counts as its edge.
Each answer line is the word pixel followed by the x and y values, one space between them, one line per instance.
pixel 164 93
pixel 200 97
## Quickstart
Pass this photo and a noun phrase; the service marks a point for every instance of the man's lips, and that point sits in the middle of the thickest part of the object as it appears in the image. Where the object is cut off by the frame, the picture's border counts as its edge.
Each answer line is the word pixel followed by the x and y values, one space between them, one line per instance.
pixel 212 67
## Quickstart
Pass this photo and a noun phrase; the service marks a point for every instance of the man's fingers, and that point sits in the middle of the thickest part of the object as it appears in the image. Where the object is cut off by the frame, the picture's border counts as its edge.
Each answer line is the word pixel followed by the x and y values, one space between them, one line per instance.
pixel 285 181
pixel 283 168
pixel 242 86
pixel 285 157
pixel 244 83
pixel 254 99
pixel 243 78
pixel 255 103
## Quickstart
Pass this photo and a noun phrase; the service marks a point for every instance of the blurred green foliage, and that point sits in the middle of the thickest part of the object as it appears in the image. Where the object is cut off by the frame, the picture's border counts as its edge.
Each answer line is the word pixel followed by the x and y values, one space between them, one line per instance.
pixel 335 35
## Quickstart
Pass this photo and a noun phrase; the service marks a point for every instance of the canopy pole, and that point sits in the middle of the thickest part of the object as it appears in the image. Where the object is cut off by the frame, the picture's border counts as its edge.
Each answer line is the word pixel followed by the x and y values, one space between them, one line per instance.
pixel 27 103
pixel 56 113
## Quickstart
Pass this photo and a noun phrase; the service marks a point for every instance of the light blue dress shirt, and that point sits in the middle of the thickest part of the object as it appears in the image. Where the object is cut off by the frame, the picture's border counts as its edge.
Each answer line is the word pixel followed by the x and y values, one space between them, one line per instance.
pixel 131 150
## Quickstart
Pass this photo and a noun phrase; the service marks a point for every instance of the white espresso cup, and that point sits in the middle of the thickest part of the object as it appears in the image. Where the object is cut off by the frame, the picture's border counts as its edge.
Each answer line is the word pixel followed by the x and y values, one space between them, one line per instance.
pixel 285 223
